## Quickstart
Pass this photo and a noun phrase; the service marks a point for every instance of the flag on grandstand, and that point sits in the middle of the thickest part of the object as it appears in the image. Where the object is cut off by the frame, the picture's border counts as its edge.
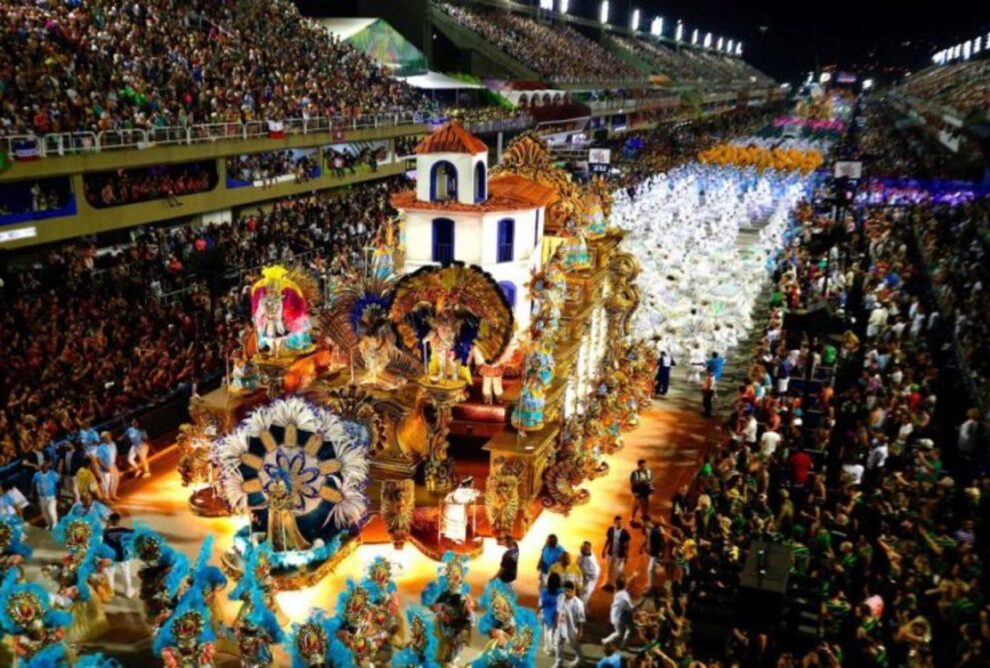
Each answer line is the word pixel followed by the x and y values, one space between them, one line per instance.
pixel 276 130
pixel 26 150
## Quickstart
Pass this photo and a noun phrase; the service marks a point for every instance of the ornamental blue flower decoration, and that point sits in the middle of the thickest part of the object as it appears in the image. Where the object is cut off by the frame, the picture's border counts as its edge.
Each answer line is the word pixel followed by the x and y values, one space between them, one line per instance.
pixel 291 455
pixel 299 478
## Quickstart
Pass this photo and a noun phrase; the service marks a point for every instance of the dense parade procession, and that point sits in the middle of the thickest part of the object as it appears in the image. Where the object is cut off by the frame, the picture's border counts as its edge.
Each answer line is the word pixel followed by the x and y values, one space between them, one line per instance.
pixel 640 359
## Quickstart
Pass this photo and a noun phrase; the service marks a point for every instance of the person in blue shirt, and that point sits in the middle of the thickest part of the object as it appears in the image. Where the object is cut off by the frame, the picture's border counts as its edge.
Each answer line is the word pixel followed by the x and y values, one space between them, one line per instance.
pixel 138 452
pixel 548 557
pixel 87 506
pixel 106 461
pixel 548 612
pixel 612 658
pixel 716 365
pixel 45 485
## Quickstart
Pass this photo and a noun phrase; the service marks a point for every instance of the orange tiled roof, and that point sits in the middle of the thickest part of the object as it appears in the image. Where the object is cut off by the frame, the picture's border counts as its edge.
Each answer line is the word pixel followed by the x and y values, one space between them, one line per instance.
pixel 505 193
pixel 451 138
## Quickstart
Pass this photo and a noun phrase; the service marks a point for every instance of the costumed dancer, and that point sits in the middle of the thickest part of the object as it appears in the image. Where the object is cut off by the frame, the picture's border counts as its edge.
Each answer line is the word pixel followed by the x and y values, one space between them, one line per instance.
pixel 37 628
pixel 384 596
pixel 257 576
pixel 186 639
pixel 421 649
pixel 449 597
pixel 13 549
pixel 357 628
pixel 574 248
pixel 315 643
pixel 84 586
pixel 209 580
pixel 256 631
pixel 161 575
pixel 528 415
pixel 520 650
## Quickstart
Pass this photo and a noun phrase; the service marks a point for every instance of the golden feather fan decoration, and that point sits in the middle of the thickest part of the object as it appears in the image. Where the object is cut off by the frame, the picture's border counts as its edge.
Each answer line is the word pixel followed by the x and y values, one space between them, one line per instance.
pixel 460 290
pixel 361 307
pixel 307 284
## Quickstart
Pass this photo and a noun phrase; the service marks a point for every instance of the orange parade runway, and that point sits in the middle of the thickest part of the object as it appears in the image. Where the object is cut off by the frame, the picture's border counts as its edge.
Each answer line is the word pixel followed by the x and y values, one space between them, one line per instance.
pixel 670 437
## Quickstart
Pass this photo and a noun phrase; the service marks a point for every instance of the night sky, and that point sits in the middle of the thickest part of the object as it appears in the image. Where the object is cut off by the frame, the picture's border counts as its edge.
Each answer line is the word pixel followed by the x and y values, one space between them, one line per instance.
pixel 870 34
pixel 787 39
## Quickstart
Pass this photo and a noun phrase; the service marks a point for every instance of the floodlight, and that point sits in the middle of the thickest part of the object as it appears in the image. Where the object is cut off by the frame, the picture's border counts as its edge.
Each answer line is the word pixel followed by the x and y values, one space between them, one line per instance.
pixel 546 4
pixel 564 6
pixel 867 84
pixel 739 49
pixel 977 45
pixel 967 49
pixel 635 20
pixel 825 77
pixel 708 40
pixel 679 33
pixel 694 36
pixel 603 15
pixel 656 28
pixel 720 44
pixel 728 48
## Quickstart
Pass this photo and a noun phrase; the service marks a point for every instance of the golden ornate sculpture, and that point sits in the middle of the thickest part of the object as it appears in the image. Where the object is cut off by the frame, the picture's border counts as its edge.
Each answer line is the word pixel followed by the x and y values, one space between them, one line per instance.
pixel 502 502
pixel 397 505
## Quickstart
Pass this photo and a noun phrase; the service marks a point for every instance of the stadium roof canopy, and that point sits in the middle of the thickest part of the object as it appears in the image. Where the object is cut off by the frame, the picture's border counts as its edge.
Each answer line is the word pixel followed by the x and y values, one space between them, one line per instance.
pixel 378 39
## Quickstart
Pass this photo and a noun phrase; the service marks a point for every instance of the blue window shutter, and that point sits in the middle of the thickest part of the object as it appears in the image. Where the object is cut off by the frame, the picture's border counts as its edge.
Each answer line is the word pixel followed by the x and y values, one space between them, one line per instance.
pixel 480 183
pixel 443 240
pixel 509 290
pixel 506 240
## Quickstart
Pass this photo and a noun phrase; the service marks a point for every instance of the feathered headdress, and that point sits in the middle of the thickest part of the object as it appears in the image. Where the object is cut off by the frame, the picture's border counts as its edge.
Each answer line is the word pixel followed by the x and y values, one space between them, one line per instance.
pixel 448 564
pixel 421 650
pixel 467 296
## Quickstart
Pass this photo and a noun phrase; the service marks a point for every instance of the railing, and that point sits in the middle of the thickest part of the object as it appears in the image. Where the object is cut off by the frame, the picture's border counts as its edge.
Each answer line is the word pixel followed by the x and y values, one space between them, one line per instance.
pixel 68 143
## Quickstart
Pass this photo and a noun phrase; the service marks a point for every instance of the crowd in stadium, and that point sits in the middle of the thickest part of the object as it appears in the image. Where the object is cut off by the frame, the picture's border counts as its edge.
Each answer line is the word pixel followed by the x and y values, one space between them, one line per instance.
pixel 103 66
pixel 962 87
pixel 269 166
pixel 886 544
pixel 548 50
pixel 130 186
pixel 84 328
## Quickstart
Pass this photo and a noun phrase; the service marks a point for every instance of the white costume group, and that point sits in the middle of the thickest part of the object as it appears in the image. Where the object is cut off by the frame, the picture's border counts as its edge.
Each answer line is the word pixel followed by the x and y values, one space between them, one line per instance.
pixel 698 284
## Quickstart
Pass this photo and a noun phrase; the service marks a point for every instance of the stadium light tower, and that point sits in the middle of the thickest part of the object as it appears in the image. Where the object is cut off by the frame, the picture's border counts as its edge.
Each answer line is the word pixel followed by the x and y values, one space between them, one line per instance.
pixel 728 48
pixel 694 37
pixel 967 49
pixel 679 33
pixel 720 44
pixel 656 28
pixel 603 14
pixel 564 6
pixel 739 49
pixel 708 40
pixel 977 45
pixel 635 20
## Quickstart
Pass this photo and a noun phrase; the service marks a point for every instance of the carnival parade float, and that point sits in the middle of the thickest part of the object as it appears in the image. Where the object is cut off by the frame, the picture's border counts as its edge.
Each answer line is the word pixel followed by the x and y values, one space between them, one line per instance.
pixel 469 376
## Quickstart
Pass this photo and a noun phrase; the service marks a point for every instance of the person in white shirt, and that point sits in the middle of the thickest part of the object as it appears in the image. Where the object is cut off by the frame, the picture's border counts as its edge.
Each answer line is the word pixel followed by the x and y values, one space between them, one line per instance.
pixel 621 614
pixel 878 455
pixel 769 442
pixel 853 473
pixel 749 429
pixel 590 571
pixel 12 501
pixel 570 625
